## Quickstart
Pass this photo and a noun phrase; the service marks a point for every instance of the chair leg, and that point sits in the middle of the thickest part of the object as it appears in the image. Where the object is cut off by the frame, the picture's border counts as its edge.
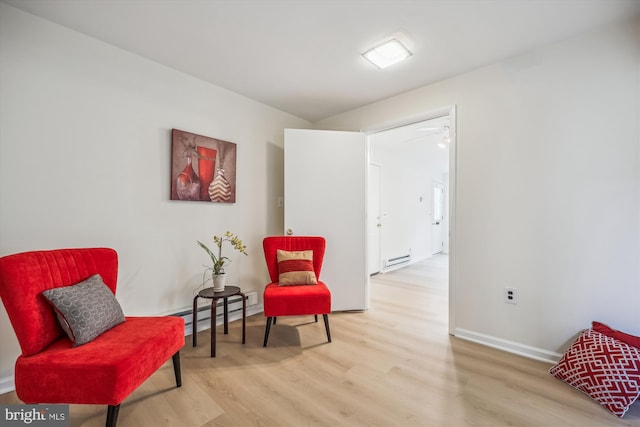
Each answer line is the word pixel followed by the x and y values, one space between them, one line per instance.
pixel 274 320
pixel 112 415
pixel 266 330
pixel 326 326
pixel 315 317
pixel 176 369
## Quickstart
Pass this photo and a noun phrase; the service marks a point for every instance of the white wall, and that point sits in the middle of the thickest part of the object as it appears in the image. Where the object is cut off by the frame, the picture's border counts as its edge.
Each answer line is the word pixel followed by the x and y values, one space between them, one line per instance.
pixel 547 190
pixel 408 170
pixel 85 161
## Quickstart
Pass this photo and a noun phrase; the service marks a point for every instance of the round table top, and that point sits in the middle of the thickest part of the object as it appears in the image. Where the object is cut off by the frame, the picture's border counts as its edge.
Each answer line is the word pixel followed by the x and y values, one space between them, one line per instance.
pixel 228 291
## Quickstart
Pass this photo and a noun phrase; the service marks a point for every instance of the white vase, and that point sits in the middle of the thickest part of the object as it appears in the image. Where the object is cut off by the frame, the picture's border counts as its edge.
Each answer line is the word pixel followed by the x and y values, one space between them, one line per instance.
pixel 219 281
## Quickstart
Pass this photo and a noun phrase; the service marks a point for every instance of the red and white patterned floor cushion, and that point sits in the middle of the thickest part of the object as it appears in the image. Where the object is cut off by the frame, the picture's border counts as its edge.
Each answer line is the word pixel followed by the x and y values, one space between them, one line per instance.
pixel 604 368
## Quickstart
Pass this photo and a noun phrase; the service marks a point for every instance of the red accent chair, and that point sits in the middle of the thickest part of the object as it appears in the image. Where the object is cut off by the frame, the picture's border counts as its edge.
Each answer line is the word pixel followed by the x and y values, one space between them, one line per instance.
pixel 295 300
pixel 103 371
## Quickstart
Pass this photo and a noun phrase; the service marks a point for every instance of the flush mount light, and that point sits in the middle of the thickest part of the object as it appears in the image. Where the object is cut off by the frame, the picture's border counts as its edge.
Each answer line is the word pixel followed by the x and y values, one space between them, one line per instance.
pixel 388 53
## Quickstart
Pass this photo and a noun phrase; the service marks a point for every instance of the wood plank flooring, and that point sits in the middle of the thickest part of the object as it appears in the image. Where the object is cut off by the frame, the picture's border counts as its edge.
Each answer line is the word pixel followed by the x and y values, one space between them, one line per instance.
pixel 393 365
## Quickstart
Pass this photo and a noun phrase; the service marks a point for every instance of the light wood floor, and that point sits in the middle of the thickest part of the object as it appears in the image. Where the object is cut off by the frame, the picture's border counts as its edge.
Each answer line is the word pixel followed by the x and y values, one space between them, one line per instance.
pixel 394 365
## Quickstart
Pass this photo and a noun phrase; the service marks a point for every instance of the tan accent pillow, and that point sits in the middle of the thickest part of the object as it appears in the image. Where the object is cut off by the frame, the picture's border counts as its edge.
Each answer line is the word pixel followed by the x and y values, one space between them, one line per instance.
pixel 296 268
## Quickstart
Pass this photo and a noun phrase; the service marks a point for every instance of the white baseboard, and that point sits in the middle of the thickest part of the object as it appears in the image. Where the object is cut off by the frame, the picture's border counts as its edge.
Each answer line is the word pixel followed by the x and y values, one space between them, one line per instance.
pixel 509 346
pixel 7 384
pixel 233 316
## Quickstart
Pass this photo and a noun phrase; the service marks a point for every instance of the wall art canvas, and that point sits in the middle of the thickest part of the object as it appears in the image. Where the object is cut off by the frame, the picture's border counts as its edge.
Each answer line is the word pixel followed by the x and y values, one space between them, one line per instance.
pixel 202 168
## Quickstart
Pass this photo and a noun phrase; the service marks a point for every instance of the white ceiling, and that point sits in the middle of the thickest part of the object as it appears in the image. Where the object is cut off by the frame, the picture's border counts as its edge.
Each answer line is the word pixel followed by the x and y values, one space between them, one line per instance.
pixel 421 143
pixel 303 56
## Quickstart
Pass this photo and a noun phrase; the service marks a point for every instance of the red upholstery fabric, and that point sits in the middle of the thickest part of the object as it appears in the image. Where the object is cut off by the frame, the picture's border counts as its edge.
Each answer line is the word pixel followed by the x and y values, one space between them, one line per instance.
pixel 103 371
pixel 295 300
pixel 292 243
pixel 24 276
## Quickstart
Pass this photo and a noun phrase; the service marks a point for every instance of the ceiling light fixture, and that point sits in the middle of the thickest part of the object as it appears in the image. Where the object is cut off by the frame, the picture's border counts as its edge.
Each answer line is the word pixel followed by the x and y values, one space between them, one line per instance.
pixel 388 53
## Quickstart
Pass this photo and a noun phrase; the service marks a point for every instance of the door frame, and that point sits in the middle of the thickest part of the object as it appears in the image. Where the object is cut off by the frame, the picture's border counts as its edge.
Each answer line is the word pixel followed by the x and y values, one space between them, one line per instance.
pixel 429 115
pixel 379 219
pixel 440 187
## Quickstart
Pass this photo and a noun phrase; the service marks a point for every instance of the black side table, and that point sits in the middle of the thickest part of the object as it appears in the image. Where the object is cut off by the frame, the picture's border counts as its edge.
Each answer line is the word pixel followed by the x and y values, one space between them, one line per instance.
pixel 229 291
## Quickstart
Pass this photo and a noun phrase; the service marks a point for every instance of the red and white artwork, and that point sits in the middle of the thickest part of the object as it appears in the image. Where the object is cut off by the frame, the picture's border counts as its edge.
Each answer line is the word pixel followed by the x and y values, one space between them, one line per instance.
pixel 202 168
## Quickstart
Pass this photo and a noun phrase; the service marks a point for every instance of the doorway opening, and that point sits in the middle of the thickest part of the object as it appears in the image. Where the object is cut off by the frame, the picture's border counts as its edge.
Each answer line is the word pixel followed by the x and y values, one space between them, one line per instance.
pixel 410 193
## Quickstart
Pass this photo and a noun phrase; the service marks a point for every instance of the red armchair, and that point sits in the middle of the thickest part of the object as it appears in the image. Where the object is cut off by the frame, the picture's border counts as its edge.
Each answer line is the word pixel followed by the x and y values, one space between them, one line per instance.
pixel 295 300
pixel 103 371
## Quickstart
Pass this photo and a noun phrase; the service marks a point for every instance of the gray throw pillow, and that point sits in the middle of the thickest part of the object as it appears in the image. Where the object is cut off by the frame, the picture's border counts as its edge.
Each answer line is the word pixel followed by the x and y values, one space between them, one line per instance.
pixel 85 310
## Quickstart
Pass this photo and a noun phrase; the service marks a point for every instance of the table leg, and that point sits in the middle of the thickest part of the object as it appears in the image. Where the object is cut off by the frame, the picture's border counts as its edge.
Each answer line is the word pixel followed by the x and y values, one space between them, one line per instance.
pixel 244 316
pixel 194 322
pixel 213 326
pixel 226 315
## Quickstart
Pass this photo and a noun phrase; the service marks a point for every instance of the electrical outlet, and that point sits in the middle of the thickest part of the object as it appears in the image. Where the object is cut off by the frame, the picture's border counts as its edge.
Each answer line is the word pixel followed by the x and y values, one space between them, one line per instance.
pixel 511 295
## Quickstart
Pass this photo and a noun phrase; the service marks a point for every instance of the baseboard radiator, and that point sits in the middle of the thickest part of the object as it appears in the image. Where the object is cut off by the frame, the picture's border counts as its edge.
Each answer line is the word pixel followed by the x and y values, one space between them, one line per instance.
pixel 397 261
pixel 204 312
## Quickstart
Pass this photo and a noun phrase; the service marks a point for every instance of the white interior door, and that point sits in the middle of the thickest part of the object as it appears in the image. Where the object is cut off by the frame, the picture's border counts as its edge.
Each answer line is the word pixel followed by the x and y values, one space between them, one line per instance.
pixel 325 191
pixel 374 218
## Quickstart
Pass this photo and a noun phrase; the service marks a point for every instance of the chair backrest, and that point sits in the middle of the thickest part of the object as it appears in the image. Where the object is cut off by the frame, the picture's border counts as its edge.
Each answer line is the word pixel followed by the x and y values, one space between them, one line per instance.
pixel 271 245
pixel 24 276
